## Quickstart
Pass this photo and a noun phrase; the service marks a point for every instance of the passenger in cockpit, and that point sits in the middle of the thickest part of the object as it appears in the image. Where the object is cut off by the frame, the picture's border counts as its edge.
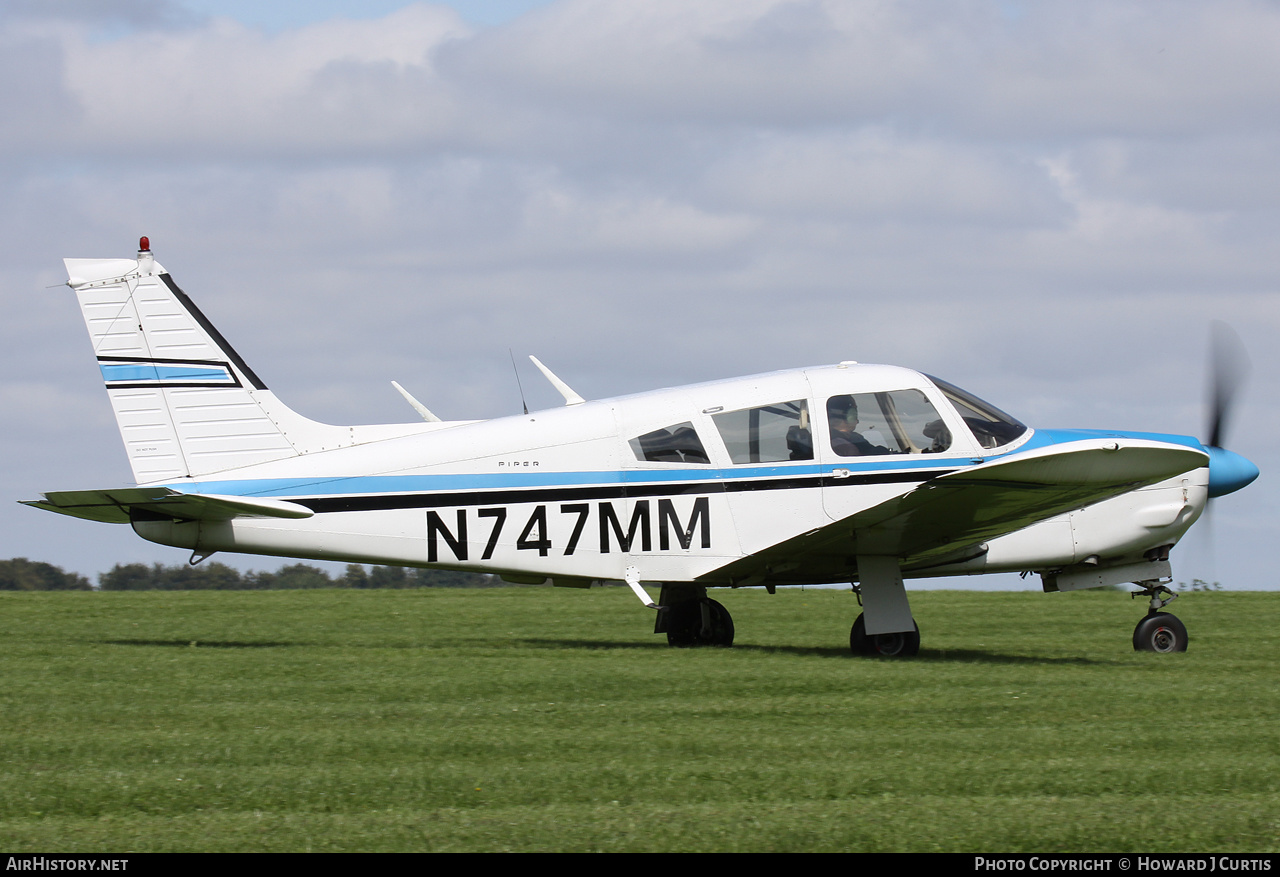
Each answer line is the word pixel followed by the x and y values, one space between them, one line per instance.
pixel 846 441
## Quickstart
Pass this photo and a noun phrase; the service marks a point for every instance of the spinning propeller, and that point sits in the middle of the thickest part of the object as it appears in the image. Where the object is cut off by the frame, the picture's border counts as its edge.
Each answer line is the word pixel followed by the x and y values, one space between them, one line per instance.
pixel 1229 367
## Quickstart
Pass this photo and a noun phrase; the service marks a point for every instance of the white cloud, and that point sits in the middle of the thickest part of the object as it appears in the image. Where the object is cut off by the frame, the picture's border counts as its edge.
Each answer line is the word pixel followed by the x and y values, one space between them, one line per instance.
pixel 879 174
pixel 420 79
pixel 221 89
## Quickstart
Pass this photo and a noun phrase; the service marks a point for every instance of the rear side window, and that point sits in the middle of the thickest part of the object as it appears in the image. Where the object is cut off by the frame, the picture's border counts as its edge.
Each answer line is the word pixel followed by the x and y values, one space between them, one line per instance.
pixel 768 434
pixel 672 444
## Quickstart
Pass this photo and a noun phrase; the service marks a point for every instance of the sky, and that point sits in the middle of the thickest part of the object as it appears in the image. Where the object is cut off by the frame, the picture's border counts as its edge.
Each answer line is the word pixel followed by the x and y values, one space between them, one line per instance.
pixel 1045 203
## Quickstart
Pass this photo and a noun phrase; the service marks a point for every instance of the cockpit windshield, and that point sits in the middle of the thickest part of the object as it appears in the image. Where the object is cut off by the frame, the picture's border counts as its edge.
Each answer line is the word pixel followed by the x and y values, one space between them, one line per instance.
pixel 989 425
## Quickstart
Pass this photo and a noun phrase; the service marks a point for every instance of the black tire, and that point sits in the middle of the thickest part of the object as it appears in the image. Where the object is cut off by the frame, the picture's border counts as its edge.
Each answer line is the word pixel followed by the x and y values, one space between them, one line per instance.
pixel 884 645
pixel 1160 632
pixel 684 630
pixel 721 625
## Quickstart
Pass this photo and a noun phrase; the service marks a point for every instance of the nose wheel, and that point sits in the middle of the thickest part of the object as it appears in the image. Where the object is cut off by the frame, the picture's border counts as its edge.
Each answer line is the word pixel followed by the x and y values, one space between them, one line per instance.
pixel 1159 631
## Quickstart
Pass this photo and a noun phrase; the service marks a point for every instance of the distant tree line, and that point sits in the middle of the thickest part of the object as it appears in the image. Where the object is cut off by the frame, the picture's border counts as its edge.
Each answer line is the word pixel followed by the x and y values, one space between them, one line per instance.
pixel 20 574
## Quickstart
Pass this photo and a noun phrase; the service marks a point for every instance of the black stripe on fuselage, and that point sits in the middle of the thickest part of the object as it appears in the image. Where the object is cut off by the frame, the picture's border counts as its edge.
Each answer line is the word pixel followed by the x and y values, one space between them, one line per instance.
pixel 454 499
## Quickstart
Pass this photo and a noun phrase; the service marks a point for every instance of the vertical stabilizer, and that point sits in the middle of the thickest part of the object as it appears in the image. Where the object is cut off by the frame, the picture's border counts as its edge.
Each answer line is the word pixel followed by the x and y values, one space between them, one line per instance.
pixel 185 402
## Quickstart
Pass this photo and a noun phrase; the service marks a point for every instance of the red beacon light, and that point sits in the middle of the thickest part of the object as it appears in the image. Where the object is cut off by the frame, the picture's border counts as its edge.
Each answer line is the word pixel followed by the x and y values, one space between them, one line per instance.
pixel 144 244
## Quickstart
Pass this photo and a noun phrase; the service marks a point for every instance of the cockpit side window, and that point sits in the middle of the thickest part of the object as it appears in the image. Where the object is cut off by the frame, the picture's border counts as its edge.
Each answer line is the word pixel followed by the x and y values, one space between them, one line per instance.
pixel 990 426
pixel 674 444
pixel 768 434
pixel 897 422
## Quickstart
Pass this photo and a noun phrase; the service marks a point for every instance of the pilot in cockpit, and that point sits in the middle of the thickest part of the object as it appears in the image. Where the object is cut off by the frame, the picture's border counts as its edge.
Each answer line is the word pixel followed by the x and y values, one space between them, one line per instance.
pixel 846 441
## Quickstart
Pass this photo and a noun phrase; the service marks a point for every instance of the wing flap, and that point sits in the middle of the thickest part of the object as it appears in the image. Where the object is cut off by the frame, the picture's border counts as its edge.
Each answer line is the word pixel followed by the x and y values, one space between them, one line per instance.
pixel 120 506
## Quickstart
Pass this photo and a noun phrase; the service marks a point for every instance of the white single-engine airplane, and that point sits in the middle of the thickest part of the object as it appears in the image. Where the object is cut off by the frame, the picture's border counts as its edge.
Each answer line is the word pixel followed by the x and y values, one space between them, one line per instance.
pixel 849 472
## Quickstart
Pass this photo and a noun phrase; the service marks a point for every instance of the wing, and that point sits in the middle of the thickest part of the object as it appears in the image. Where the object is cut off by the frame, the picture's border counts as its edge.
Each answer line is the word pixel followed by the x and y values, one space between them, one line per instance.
pixel 946 519
pixel 124 505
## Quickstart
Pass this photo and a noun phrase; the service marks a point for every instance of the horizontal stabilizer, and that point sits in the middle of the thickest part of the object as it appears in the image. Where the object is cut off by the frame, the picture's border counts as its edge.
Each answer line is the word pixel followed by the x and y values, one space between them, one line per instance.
pixel 121 506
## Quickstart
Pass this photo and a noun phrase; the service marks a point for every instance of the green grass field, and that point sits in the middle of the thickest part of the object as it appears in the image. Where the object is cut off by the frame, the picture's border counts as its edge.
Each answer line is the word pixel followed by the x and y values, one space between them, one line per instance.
pixel 538 719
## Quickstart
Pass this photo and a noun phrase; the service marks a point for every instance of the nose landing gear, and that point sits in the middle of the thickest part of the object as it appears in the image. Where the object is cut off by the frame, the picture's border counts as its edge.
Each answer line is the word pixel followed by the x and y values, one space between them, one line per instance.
pixel 1159 631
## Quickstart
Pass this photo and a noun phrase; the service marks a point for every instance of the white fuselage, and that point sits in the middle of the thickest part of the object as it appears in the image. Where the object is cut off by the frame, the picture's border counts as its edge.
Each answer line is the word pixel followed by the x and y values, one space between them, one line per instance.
pixel 563 495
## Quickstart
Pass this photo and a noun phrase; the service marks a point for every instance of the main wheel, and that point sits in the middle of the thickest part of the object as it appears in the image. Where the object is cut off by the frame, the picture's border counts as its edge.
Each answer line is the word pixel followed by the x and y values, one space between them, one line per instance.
pixel 886 645
pixel 685 628
pixel 1160 632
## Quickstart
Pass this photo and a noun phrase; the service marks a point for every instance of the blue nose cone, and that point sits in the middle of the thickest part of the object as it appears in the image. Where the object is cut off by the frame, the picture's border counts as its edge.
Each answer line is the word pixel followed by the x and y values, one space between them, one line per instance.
pixel 1228 471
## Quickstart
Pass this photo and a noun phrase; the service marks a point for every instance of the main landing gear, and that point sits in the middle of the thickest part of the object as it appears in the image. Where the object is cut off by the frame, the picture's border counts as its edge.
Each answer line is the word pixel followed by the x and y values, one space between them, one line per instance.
pixel 1159 631
pixel 883 596
pixel 690 618
pixel 886 645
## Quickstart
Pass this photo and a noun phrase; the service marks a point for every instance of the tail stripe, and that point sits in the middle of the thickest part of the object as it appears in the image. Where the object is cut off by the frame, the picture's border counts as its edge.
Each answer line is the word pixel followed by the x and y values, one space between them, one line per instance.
pixel 132 372
pixel 213 333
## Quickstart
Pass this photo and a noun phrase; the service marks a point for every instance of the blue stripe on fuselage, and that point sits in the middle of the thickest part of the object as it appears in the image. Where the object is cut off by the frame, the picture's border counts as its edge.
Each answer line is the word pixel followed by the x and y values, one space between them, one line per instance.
pixel 1044 437
pixel 365 485
pixel 372 484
